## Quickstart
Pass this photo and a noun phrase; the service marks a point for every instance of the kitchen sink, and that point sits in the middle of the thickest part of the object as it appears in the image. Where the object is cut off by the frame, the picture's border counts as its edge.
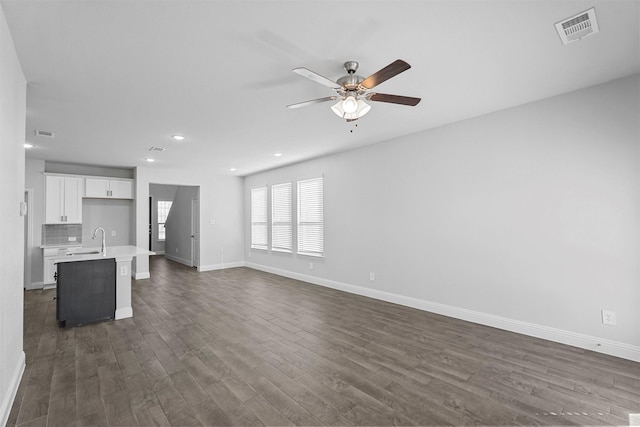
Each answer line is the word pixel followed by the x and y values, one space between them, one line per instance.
pixel 83 252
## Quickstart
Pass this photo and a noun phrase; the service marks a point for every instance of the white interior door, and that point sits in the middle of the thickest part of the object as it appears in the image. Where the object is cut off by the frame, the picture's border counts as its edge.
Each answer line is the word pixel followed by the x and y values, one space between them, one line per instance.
pixel 195 233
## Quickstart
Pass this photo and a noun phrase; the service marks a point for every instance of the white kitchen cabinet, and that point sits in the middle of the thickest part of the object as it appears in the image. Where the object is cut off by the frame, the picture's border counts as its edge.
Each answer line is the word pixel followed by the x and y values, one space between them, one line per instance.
pixel 50 270
pixel 63 199
pixel 104 188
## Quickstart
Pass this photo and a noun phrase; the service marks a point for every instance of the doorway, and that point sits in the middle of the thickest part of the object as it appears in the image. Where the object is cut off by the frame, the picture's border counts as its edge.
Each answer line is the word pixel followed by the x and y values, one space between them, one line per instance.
pixel 176 233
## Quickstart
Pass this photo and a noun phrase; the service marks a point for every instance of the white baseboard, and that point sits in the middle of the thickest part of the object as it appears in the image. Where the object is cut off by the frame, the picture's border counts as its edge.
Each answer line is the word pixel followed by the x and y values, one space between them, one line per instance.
pixel 123 313
pixel 9 397
pixel 35 285
pixel 213 267
pixel 140 276
pixel 186 262
pixel 588 342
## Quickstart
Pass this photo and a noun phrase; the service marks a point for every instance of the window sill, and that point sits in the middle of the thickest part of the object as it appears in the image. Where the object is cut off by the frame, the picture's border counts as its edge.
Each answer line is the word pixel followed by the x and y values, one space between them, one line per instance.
pixel 311 255
pixel 281 251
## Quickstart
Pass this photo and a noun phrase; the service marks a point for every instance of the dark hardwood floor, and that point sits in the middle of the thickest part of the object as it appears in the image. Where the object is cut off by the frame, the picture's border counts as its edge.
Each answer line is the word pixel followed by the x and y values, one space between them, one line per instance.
pixel 243 347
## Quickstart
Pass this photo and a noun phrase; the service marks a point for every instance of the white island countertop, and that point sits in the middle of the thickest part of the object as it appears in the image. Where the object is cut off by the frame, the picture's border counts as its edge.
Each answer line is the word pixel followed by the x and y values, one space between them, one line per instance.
pixel 120 253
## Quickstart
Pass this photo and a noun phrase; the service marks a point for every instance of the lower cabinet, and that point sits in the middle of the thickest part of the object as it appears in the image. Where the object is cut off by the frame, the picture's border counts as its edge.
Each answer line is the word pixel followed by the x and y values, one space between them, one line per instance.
pixel 86 292
pixel 49 272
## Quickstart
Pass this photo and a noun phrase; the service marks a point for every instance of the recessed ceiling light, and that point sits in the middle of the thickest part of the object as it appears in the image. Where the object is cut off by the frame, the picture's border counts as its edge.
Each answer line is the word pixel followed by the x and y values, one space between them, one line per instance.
pixel 150 160
pixel 27 145
pixel 233 169
pixel 178 137
pixel 277 154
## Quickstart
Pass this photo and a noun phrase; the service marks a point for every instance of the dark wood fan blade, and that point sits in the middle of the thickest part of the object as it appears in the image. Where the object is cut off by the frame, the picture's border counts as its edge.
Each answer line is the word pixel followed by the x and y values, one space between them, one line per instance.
pixel 391 70
pixel 313 101
pixel 394 99
pixel 312 75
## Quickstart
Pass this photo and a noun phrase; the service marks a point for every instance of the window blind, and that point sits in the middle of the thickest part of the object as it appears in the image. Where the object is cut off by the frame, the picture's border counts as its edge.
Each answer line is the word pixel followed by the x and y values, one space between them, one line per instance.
pixel 310 217
pixel 281 230
pixel 259 218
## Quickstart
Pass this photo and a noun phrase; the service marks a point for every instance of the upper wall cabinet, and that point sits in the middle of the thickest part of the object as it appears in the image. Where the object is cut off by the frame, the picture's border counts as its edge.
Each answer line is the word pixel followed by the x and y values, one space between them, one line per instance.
pixel 104 188
pixel 63 199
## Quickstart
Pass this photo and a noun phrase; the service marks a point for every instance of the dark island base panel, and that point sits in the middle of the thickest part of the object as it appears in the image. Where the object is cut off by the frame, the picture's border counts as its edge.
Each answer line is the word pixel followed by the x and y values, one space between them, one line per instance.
pixel 86 292
pixel 72 323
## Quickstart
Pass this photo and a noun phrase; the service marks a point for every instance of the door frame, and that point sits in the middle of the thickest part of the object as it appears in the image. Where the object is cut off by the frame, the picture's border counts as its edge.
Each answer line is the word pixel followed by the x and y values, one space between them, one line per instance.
pixel 195 229
pixel 28 238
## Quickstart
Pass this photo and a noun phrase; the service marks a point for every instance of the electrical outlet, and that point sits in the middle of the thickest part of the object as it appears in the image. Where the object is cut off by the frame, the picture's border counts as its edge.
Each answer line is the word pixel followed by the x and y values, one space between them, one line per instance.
pixel 113 233
pixel 310 266
pixel 123 270
pixel 608 317
pixel 372 276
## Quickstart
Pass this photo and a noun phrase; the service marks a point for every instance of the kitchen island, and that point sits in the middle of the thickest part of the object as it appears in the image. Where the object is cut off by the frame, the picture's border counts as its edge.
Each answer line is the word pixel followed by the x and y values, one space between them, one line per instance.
pixel 122 256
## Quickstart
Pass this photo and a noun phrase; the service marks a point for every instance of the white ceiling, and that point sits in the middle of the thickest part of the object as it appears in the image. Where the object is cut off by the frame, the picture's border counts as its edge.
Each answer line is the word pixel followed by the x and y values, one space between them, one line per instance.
pixel 114 78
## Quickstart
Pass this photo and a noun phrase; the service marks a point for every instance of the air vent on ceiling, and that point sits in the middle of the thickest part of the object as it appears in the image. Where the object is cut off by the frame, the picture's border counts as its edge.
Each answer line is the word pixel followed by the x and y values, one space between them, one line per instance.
pixel 156 149
pixel 45 133
pixel 575 28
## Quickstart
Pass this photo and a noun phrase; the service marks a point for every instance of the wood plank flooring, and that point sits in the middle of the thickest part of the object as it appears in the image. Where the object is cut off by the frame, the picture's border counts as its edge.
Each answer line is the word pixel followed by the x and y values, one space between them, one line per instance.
pixel 242 347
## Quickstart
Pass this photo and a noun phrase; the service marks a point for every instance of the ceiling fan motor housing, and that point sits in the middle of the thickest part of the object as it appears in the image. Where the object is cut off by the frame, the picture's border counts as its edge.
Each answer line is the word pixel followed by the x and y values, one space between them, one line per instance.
pixel 351 81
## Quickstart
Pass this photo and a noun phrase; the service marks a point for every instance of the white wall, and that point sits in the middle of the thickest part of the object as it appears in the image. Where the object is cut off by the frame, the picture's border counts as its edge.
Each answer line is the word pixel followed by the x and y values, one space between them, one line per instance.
pixel 525 219
pixel 12 184
pixel 221 215
pixel 34 179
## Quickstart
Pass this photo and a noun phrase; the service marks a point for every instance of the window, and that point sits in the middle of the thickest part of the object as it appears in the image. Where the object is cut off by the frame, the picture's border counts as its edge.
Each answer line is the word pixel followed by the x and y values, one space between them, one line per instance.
pixel 163 212
pixel 259 218
pixel 281 217
pixel 310 217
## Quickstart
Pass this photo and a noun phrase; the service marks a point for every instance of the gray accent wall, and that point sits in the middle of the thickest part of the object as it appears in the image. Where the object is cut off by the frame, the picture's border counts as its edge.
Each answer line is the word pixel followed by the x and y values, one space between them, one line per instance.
pixel 114 215
pixel 527 218
pixel 159 192
pixel 178 226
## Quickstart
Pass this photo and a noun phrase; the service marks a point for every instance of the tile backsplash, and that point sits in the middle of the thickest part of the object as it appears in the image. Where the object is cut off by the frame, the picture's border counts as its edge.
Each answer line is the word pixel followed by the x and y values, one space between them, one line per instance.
pixel 61 234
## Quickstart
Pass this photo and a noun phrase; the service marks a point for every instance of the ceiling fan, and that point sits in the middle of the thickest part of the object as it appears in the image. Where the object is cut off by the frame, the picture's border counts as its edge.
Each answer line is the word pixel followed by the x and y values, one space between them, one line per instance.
pixel 353 90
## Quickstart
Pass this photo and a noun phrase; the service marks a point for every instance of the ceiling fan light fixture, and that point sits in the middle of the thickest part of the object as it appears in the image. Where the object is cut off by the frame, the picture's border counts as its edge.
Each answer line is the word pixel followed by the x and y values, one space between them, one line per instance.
pixel 350 104
pixel 361 108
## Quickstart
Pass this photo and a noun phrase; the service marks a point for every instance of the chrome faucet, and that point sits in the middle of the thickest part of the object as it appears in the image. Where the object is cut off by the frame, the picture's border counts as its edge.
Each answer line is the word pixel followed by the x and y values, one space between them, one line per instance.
pixel 103 249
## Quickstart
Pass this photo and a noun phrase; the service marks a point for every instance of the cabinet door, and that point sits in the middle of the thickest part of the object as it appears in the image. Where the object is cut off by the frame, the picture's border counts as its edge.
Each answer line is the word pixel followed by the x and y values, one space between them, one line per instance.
pixel 49 271
pixel 73 190
pixel 96 187
pixel 54 199
pixel 121 189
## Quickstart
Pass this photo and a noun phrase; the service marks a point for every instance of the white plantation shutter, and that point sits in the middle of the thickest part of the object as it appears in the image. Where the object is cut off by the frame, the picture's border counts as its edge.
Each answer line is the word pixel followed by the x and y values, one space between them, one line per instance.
pixel 259 218
pixel 310 217
pixel 281 217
